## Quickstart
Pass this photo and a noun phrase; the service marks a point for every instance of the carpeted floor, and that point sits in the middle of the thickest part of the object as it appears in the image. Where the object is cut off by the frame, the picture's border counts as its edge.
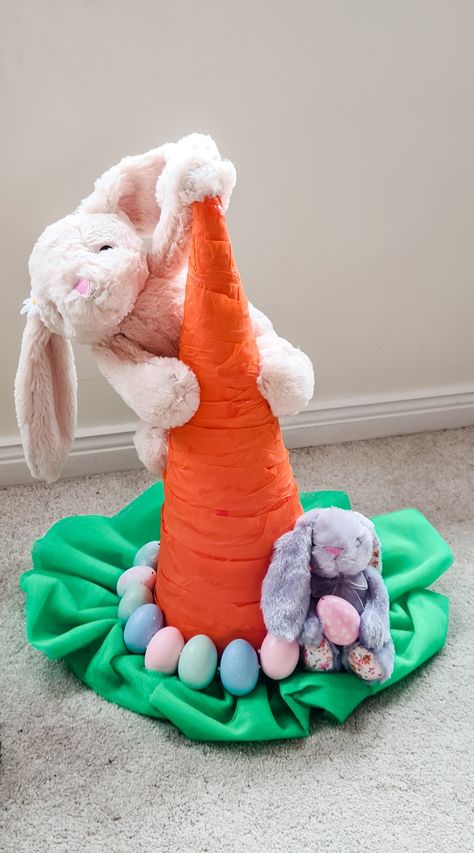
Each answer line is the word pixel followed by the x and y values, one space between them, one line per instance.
pixel 79 774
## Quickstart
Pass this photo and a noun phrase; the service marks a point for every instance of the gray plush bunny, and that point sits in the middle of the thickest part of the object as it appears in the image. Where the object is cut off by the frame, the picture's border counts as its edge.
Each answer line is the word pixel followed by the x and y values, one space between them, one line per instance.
pixel 343 554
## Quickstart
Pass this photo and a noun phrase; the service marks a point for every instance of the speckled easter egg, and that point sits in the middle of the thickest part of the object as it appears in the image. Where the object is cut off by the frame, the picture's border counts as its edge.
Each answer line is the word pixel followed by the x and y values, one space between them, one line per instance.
pixel 239 668
pixel 340 619
pixel 147 555
pixel 163 650
pixel 144 622
pixel 198 662
pixel 278 658
pixel 133 597
pixel 136 575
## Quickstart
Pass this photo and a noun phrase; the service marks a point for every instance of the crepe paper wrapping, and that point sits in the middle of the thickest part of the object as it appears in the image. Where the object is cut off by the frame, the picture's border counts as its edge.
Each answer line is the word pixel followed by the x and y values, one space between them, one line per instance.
pixel 229 487
pixel 71 613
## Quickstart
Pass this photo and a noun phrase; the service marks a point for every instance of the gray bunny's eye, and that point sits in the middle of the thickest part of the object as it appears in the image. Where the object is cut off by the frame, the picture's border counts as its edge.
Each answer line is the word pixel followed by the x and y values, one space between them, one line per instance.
pixel 104 248
pixel 359 541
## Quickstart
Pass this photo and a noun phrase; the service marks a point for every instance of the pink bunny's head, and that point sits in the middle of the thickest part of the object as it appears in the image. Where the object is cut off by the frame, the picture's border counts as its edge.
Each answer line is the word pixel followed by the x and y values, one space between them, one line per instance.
pixel 86 271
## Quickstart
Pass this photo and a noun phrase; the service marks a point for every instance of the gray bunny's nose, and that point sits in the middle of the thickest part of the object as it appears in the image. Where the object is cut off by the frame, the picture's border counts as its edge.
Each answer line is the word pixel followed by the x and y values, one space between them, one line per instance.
pixel 334 552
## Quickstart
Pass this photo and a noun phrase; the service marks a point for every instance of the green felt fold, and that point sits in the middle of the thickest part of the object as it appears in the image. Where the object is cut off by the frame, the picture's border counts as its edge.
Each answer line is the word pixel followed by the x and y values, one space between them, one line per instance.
pixel 71 613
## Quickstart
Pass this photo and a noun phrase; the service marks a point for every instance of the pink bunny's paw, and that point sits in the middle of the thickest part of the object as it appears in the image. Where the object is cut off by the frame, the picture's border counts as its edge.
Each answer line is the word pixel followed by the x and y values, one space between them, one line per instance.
pixel 177 397
pixel 215 178
pixel 195 174
pixel 286 379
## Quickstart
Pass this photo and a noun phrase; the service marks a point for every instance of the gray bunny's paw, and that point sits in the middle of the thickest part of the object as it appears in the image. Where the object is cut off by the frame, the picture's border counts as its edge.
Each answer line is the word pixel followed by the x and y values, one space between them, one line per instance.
pixel 373 631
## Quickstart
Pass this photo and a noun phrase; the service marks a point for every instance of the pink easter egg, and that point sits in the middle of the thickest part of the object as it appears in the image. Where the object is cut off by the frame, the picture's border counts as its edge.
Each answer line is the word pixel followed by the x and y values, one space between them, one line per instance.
pixel 340 619
pixel 137 574
pixel 278 658
pixel 163 650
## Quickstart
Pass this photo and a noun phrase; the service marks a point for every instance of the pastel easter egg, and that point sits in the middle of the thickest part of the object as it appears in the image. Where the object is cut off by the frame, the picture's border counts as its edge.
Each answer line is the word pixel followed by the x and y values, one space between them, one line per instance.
pixel 136 575
pixel 147 555
pixel 239 668
pixel 163 650
pixel 278 658
pixel 133 597
pixel 340 619
pixel 144 622
pixel 198 662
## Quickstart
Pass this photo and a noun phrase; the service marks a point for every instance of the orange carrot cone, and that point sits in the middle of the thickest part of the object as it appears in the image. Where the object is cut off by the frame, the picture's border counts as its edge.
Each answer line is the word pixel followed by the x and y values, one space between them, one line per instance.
pixel 229 487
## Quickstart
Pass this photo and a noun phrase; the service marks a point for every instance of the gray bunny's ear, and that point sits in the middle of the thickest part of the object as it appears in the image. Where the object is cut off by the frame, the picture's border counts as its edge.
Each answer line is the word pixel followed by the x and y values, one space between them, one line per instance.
pixel 130 188
pixel 309 519
pixel 45 399
pixel 286 588
pixel 376 560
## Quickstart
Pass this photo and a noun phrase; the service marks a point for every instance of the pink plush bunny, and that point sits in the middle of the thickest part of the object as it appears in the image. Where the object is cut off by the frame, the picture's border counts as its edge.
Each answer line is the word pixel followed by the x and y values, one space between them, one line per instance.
pixel 93 281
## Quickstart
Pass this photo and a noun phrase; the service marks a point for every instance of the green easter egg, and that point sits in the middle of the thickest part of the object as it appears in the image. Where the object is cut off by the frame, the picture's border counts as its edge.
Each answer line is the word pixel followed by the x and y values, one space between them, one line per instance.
pixel 198 662
pixel 132 599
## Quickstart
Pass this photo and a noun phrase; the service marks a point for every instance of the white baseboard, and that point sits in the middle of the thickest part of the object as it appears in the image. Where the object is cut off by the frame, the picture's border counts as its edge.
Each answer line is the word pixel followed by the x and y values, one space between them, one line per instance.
pixel 98 450
pixel 365 418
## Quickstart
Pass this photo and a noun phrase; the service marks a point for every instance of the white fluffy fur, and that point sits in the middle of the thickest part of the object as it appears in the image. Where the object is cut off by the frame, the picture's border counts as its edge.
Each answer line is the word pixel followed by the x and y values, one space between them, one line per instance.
pixel 132 308
pixel 151 444
pixel 130 188
pixel 46 399
pixel 163 392
pixel 286 373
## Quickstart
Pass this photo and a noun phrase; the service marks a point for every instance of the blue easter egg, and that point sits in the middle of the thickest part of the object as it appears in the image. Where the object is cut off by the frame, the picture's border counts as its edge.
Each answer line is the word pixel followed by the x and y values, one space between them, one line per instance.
pixel 147 555
pixel 198 662
pixel 239 668
pixel 142 625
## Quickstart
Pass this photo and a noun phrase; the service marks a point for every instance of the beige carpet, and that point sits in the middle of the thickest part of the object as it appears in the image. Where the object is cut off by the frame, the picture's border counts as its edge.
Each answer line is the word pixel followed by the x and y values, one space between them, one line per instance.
pixel 79 774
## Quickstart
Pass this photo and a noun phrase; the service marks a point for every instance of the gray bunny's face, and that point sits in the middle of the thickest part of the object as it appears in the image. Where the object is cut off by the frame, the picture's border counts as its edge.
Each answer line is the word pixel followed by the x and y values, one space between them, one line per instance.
pixel 86 272
pixel 342 542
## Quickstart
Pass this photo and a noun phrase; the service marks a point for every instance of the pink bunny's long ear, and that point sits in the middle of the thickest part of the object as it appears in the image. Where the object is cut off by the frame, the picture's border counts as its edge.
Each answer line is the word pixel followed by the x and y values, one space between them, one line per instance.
pixel 130 188
pixel 45 399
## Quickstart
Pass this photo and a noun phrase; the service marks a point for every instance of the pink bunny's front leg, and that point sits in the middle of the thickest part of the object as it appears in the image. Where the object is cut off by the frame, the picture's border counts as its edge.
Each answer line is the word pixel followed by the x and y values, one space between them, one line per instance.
pixel 162 391
pixel 170 243
pixel 286 373
pixel 151 444
pixel 194 171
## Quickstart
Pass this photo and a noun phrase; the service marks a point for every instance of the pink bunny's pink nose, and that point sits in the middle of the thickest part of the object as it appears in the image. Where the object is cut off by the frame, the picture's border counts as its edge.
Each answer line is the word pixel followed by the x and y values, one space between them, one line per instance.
pixel 83 286
pixel 334 552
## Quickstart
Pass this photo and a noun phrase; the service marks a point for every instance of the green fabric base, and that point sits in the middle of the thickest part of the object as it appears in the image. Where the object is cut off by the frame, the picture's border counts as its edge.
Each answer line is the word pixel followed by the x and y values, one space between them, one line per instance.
pixel 71 613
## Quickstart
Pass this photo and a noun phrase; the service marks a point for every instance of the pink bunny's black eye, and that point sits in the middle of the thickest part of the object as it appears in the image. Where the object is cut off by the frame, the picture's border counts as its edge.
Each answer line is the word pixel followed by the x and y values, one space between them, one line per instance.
pixel 104 248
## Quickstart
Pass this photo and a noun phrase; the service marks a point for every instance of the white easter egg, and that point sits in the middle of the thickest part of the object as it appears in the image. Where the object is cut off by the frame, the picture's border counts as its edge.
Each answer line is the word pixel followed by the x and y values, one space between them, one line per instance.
pixel 137 574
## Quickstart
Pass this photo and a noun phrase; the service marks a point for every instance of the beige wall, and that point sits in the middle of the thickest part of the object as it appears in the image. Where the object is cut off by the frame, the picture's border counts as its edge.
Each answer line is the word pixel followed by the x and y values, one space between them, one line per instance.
pixel 352 129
